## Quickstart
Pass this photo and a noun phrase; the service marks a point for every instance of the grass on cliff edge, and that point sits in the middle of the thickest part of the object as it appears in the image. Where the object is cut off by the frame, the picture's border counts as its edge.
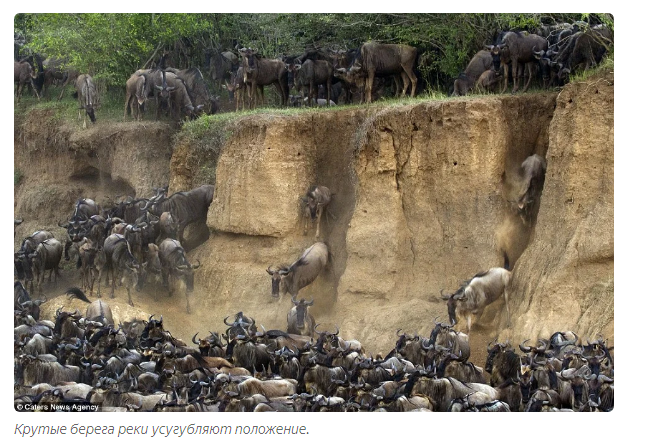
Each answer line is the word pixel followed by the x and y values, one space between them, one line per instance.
pixel 112 105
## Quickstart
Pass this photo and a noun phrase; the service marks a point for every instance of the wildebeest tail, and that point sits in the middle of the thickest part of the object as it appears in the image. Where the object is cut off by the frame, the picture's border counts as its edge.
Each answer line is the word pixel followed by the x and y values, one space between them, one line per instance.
pixel 76 292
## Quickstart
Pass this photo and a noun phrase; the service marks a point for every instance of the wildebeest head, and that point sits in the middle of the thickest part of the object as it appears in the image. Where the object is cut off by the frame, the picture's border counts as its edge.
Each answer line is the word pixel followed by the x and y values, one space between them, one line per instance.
pixel 187 272
pixel 133 276
pixel 277 276
pixel 249 61
pixel 493 352
pixel 452 302
pixel 164 89
pixel 301 311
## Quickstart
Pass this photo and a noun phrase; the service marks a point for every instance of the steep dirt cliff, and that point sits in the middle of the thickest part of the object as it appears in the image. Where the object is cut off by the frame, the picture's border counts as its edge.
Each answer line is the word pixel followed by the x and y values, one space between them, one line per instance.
pixel 421 202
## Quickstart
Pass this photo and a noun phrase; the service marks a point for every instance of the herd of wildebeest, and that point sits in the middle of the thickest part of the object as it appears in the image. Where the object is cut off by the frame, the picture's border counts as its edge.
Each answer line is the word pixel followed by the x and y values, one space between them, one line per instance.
pixel 137 365
pixel 325 77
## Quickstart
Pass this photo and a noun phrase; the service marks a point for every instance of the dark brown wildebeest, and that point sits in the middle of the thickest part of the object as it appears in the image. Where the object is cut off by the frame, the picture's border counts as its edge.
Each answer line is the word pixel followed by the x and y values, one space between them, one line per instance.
pixel 87 95
pixel 220 65
pixel 480 291
pixel 301 273
pixel 299 321
pixel 23 74
pixel 518 49
pixel 261 72
pixel 467 80
pixel 187 207
pixel 311 74
pixel 121 263
pixel 197 90
pixel 175 266
pixel 172 95
pixel 386 59
pixel 47 255
pixel 316 201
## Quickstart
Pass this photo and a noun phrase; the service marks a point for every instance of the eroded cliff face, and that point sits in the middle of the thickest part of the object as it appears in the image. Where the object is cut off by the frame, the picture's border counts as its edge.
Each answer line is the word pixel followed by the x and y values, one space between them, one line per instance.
pixel 421 202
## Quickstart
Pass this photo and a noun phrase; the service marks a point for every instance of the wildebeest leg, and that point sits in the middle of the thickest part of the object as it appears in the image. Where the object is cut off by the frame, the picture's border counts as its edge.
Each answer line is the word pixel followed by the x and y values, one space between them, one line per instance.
pixel 515 76
pixel 505 296
pixel 128 293
pixel 312 92
pixel 127 105
pixel 369 81
pixel 530 67
pixel 505 78
pixel 414 80
pixel 319 213
pixel 405 83
pixel 113 283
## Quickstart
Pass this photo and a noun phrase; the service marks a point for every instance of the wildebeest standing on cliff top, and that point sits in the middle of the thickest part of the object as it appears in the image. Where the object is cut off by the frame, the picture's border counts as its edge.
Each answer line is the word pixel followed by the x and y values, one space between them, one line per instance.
pixel 260 71
pixel 87 95
pixel 23 74
pixel 386 59
pixel 301 273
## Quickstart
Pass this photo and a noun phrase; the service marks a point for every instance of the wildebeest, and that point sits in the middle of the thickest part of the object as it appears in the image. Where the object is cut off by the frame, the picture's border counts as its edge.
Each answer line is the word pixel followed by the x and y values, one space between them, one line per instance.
pixel 481 62
pixel 136 95
pixel 197 90
pixel 220 65
pixel 487 82
pixel 186 207
pixel 87 96
pixel 97 311
pixel 46 256
pixel 387 59
pixel 481 290
pixel 533 172
pixel 179 98
pixel 584 49
pixel 22 262
pixel 299 321
pixel 316 200
pixel 23 74
pixel 517 48
pixel 310 74
pixel 175 266
pixel 301 273
pixel 121 263
pixel 260 72
pixel 87 254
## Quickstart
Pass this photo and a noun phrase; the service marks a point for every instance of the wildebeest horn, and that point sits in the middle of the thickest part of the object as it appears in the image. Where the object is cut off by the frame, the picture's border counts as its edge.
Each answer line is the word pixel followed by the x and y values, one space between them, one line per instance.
pixel 194 338
pixel 310 303
pixel 268 270
pixel 225 321
pixel 523 348
pixel 316 331
pixel 295 302
pixel 444 296
pixel 198 264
